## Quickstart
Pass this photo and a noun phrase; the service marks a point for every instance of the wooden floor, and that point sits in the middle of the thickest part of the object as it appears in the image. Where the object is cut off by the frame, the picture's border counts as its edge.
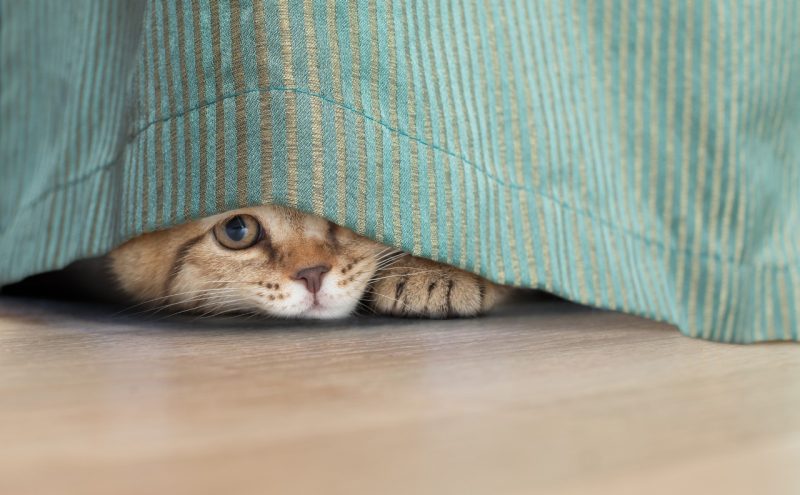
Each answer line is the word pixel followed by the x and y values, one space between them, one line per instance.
pixel 542 397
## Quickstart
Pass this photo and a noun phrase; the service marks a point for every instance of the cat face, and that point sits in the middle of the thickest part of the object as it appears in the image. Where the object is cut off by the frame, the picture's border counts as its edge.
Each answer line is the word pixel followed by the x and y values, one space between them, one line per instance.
pixel 265 260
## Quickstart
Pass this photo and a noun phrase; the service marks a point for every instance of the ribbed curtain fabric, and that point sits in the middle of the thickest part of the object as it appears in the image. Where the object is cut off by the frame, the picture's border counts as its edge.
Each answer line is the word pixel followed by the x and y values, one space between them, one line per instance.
pixel 642 156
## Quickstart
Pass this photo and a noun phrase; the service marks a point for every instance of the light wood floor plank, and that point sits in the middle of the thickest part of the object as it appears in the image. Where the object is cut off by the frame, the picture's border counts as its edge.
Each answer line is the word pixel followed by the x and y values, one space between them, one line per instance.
pixel 541 397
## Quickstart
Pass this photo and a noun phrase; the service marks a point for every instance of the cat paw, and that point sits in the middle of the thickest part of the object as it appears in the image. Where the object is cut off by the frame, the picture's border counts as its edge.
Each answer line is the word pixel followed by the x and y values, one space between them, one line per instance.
pixel 418 287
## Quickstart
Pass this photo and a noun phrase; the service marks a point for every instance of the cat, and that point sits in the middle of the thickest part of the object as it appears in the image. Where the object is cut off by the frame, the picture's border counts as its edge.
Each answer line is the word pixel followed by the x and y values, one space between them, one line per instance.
pixel 277 261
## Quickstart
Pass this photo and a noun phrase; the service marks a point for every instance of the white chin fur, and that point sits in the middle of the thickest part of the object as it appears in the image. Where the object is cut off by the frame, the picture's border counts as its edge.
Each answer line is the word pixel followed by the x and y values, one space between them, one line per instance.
pixel 322 313
pixel 328 310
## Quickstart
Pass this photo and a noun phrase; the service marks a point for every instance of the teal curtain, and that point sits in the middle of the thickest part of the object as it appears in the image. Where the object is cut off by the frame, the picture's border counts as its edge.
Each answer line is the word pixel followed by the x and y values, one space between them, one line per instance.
pixel 636 156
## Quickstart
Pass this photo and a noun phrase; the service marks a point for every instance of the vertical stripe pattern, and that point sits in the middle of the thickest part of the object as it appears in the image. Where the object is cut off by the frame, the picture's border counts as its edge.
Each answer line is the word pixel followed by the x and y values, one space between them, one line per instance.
pixel 635 156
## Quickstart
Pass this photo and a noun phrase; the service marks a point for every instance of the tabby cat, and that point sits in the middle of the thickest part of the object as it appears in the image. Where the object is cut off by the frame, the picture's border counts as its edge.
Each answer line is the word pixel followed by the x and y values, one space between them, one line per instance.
pixel 271 260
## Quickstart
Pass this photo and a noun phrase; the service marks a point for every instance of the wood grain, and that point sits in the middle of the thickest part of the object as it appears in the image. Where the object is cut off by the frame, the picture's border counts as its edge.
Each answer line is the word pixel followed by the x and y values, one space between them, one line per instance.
pixel 541 397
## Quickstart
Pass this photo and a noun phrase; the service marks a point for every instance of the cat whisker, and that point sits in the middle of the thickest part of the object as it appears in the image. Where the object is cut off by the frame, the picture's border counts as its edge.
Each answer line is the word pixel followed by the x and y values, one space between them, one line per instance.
pixel 357 297
pixel 214 309
pixel 395 267
pixel 393 300
pixel 210 301
pixel 237 312
pixel 389 251
pixel 150 301
pixel 390 258
pixel 214 301
pixel 198 295
pixel 386 266
pixel 390 255
pixel 229 282
pixel 366 307
pixel 249 315
pixel 408 274
pixel 393 273
pixel 168 296
pixel 262 314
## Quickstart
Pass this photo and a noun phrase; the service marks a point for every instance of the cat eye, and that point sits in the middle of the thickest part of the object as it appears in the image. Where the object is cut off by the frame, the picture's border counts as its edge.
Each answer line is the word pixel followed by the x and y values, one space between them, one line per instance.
pixel 239 232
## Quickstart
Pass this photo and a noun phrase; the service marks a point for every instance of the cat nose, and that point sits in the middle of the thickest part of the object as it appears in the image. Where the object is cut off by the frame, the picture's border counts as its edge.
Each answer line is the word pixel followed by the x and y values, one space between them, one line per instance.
pixel 312 276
